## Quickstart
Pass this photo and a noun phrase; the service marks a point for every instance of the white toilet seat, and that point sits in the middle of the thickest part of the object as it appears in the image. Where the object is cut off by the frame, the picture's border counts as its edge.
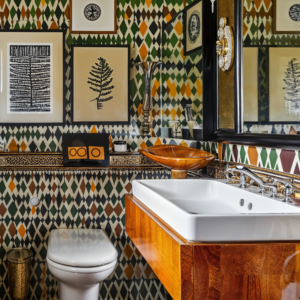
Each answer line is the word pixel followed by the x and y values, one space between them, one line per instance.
pixel 80 270
pixel 80 259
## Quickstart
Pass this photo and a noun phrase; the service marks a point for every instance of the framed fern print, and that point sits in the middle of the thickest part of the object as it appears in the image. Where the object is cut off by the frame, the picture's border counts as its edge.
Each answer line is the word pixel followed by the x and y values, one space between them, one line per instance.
pixel 100 84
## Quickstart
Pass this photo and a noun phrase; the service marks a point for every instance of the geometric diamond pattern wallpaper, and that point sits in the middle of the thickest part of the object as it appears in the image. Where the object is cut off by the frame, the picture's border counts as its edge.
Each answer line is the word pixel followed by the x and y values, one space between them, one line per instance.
pixel 139 24
pixel 88 199
pixel 181 75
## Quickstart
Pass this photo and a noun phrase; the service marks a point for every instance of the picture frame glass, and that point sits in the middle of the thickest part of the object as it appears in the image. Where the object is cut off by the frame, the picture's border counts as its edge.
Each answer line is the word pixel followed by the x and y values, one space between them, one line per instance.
pixel 93 16
pixel 193 27
pixel 284 102
pixel 287 16
pixel 32 77
pixel 101 84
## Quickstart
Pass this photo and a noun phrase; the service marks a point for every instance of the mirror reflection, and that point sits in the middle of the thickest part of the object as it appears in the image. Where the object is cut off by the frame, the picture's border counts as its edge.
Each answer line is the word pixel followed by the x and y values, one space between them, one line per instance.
pixel 271 70
pixel 182 76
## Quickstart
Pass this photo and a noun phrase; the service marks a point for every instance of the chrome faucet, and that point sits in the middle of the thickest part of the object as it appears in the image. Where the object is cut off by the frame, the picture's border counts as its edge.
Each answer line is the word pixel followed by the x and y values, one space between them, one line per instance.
pixel 244 171
pixel 289 188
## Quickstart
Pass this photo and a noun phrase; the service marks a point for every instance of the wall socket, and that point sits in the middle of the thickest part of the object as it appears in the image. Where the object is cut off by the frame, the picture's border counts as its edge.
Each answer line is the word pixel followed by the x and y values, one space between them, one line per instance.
pixel 133 50
pixel 2 145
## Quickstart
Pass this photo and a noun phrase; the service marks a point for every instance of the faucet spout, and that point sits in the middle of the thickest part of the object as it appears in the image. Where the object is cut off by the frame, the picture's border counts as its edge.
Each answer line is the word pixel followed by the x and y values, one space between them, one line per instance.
pixel 244 171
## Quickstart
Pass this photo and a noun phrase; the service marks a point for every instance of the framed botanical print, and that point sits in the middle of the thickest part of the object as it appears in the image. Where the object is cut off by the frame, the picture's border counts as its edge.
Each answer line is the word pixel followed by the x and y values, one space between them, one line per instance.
pixel 101 76
pixel 31 77
pixel 93 16
pixel 286 16
pixel 284 70
pixel 193 27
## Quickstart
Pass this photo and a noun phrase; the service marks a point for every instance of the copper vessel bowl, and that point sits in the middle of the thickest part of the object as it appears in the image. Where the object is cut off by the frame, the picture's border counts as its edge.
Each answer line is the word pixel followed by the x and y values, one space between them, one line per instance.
pixel 179 159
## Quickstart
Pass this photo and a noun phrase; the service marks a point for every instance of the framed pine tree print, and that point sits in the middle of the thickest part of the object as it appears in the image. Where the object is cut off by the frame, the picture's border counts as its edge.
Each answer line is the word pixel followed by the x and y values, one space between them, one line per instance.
pixel 284 84
pixel 31 77
pixel 100 84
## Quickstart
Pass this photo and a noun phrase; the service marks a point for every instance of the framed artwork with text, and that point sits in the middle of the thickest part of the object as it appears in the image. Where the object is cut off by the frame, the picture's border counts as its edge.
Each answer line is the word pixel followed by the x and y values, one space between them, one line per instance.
pixel 31 77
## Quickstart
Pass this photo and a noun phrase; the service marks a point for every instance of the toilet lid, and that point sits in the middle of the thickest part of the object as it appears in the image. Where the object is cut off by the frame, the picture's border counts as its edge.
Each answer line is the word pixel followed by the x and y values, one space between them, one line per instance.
pixel 81 247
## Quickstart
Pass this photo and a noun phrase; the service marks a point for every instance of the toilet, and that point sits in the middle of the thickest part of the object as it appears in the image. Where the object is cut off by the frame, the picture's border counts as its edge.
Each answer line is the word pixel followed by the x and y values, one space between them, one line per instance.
pixel 80 259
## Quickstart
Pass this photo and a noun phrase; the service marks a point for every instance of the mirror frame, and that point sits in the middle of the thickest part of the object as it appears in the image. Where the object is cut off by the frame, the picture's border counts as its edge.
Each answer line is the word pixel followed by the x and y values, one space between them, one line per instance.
pixel 211 130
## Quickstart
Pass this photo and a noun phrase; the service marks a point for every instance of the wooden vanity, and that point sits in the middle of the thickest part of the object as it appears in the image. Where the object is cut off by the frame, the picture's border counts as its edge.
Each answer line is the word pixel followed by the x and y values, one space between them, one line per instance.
pixel 261 271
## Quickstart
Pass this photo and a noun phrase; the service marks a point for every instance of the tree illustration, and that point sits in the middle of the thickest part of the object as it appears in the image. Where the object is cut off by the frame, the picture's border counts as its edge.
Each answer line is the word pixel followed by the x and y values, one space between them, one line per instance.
pixel 292 87
pixel 30 78
pixel 100 82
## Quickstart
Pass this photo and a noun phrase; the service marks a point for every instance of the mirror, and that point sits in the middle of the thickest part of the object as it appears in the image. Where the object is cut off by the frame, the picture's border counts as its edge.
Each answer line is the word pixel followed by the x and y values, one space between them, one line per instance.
pixel 271 68
pixel 182 72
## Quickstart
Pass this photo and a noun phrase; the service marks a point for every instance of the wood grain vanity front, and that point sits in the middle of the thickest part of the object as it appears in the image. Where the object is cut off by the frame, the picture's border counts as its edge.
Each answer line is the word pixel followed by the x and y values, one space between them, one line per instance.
pixel 265 271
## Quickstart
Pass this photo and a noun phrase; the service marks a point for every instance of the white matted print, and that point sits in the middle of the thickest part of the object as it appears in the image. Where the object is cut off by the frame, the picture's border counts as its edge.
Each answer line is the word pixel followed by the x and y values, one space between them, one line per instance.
pixel 284 72
pixel 29 78
pixel 31 87
pixel 193 27
pixel 93 16
pixel 101 84
pixel 286 16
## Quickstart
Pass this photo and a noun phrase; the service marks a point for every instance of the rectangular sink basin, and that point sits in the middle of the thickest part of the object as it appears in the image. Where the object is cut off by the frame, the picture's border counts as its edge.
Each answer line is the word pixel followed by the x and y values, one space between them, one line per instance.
pixel 209 211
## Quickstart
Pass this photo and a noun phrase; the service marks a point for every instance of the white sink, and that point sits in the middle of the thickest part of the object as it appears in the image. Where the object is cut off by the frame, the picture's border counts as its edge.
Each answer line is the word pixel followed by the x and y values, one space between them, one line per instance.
pixel 209 210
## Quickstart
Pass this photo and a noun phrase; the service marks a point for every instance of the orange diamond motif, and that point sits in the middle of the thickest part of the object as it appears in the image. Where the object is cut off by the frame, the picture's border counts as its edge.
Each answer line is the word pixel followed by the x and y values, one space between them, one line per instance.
pixel 157 142
pixel 11 186
pixel 183 144
pixel 143 52
pixel 13 146
pixel 22 231
pixel 129 271
pixel 148 2
pixel 143 28
pixel 94 130
pixel 178 28
pixel 128 251
pixel 188 90
pixel 23 146
pixel 140 109
pixel 199 87
pixel 93 187
pixel 173 113
pixel 143 145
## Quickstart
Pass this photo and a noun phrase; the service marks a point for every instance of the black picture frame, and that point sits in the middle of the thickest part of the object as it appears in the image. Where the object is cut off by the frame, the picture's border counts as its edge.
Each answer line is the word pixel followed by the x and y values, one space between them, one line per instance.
pixel 65 65
pixel 85 140
pixel 184 27
pixel 127 122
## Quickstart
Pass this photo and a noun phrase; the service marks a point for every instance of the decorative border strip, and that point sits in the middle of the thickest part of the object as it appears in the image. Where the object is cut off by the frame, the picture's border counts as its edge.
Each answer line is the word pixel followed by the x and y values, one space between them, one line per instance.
pixel 56 160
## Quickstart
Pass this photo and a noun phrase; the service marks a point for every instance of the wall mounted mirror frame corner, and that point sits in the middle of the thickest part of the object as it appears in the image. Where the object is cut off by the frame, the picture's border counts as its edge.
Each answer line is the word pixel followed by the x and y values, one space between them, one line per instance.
pixel 237 131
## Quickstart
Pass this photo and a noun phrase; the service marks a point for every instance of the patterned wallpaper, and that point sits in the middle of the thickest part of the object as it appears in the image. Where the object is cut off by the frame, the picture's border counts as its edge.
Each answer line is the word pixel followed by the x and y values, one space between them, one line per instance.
pixel 72 199
pixel 139 23
pixel 181 76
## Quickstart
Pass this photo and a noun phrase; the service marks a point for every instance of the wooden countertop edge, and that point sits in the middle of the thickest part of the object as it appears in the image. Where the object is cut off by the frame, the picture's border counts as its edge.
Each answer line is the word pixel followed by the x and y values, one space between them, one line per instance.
pixel 169 230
